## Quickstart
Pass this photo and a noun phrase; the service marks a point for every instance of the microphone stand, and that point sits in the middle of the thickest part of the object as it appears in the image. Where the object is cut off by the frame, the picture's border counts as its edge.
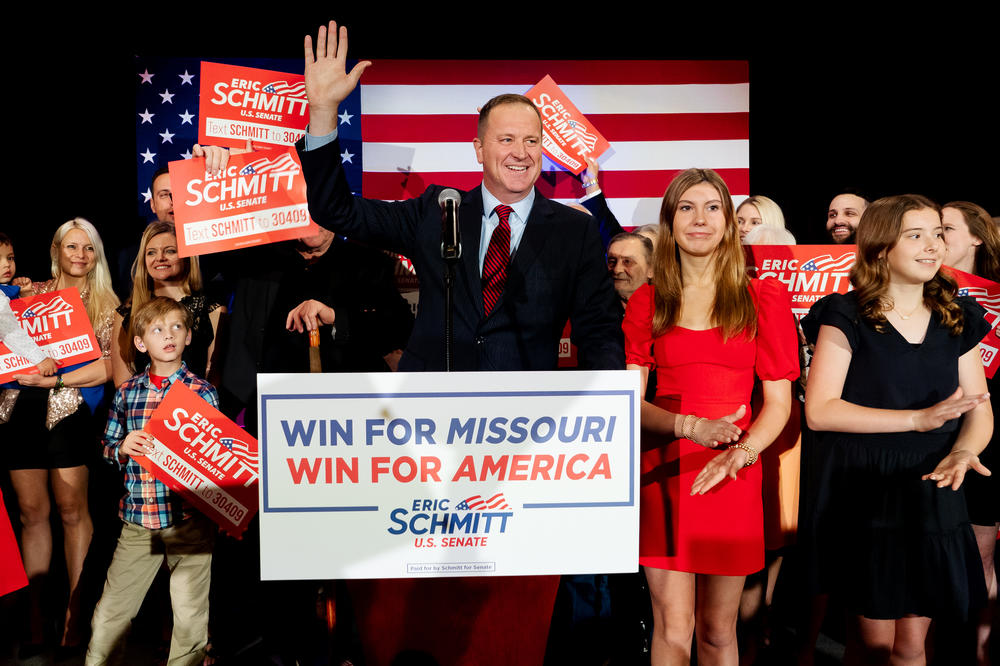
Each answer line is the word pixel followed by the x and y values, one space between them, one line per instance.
pixel 451 252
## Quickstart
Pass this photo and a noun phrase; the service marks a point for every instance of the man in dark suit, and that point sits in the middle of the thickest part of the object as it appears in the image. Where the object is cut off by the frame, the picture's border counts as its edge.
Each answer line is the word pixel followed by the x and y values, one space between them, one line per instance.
pixel 528 265
pixel 556 268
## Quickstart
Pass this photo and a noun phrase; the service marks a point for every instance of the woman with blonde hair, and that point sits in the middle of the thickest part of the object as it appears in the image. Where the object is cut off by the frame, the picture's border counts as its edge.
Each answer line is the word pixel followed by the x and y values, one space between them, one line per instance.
pixel 708 331
pixel 758 211
pixel 158 271
pixel 896 364
pixel 973 245
pixel 52 423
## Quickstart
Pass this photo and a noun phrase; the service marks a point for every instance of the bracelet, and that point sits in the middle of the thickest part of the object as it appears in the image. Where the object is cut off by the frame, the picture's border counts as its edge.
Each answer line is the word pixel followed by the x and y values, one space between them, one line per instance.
pixel 752 454
pixel 589 183
pixel 59 382
pixel 690 423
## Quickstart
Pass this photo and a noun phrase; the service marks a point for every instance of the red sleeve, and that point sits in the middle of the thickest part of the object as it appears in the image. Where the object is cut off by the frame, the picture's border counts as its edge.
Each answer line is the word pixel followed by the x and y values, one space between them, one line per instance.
pixel 777 339
pixel 638 328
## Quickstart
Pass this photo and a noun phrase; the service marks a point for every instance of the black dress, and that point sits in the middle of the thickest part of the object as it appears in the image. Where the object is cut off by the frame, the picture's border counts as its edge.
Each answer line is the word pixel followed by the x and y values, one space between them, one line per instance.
pixel 202 334
pixel 874 532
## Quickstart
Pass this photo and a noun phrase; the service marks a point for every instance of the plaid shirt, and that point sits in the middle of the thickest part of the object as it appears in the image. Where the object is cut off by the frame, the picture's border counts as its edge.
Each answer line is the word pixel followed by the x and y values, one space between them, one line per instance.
pixel 147 502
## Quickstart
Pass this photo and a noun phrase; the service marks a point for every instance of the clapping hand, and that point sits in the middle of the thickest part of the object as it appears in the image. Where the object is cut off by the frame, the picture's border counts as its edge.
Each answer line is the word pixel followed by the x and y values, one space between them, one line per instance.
pixel 711 433
pixel 953 467
pixel 952 407
pixel 727 463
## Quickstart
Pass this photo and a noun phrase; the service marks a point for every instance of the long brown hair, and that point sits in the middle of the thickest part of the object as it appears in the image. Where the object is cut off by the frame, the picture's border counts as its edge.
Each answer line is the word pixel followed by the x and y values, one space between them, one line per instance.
pixel 733 308
pixel 878 233
pixel 981 226
pixel 142 283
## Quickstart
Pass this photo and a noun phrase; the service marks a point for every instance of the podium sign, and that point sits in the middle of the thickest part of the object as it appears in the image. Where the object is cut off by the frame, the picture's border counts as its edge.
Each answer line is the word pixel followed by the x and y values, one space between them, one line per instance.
pixel 396 475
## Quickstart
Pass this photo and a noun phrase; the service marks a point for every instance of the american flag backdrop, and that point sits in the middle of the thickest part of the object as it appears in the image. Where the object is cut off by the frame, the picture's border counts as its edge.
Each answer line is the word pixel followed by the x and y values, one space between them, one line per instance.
pixel 166 113
pixel 411 123
pixel 419 119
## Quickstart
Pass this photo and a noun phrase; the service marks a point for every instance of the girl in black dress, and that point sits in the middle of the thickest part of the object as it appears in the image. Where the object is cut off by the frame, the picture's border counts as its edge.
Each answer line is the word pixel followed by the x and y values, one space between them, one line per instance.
pixel 896 366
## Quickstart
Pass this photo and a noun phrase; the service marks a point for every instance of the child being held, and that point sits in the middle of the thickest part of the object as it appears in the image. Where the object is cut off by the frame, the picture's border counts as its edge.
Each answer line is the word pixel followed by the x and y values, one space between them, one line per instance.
pixel 11 333
pixel 12 287
pixel 157 523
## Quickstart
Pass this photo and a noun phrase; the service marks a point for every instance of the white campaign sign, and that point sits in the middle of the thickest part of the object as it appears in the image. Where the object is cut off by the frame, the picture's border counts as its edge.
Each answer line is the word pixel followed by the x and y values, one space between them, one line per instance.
pixel 394 475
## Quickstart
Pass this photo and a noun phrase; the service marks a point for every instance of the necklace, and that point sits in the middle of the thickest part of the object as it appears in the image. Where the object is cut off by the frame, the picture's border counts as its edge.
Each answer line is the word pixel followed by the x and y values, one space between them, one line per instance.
pixel 903 316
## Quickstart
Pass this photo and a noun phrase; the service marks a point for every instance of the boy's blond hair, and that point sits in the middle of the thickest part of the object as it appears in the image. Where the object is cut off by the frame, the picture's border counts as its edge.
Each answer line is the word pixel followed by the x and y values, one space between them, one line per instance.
pixel 158 308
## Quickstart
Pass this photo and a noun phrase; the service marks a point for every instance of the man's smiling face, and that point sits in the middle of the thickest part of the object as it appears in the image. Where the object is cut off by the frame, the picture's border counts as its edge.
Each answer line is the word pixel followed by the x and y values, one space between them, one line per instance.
pixel 510 151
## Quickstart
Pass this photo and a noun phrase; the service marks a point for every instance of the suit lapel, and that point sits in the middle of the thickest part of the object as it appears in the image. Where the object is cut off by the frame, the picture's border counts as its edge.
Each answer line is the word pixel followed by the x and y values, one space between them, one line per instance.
pixel 534 237
pixel 470 219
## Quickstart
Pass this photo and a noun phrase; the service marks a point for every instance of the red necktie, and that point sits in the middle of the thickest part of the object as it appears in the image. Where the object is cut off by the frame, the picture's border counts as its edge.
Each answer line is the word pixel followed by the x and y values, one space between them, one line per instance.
pixel 495 263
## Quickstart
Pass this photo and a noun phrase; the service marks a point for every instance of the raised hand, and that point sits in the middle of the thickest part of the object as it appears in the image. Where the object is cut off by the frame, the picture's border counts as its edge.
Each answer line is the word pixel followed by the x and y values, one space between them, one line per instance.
pixel 327 81
pixel 590 174
pixel 719 431
pixel 953 467
pixel 950 408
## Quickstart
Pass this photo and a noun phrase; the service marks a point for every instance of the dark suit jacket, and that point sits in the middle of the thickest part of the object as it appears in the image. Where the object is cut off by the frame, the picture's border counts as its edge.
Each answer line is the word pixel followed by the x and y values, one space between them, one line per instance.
pixel 372 319
pixel 557 273
pixel 607 223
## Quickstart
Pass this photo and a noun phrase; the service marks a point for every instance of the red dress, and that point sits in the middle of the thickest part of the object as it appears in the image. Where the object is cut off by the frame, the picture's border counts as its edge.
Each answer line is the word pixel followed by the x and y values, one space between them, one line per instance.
pixel 721 532
pixel 11 570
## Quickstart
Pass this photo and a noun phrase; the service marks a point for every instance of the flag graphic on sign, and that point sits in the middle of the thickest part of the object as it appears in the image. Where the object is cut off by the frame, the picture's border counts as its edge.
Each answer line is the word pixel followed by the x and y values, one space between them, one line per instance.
pixel 477 503
pixel 989 301
pixel 54 306
pixel 826 262
pixel 242 449
pixel 286 89
pixel 282 165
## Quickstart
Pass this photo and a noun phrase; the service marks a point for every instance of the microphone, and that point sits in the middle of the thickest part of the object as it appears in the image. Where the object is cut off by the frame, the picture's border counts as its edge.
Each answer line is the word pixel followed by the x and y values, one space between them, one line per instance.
pixel 451 240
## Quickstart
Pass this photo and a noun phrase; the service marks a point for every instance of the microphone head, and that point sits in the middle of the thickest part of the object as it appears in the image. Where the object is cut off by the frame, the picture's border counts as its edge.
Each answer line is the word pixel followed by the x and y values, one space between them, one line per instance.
pixel 449 193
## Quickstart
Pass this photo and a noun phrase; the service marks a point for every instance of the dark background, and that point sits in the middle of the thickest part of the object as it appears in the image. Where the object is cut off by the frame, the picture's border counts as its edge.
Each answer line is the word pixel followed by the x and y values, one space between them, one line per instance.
pixel 888 105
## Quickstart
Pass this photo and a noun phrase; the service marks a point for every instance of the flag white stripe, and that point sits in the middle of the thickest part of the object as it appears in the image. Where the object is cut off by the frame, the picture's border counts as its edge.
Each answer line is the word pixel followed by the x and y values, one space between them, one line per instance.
pixel 625 155
pixel 635 212
pixel 590 99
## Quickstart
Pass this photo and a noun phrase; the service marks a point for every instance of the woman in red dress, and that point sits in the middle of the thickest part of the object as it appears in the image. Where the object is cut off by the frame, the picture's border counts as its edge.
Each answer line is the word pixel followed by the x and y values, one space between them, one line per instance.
pixel 707 330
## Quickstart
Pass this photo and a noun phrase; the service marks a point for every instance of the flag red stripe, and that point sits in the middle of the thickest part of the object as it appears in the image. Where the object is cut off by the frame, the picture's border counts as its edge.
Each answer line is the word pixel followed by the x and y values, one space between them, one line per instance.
pixel 614 127
pixel 552 184
pixel 564 72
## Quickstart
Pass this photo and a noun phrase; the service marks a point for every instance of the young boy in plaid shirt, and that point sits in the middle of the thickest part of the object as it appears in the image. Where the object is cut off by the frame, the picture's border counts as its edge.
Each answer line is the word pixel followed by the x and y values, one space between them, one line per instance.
pixel 157 523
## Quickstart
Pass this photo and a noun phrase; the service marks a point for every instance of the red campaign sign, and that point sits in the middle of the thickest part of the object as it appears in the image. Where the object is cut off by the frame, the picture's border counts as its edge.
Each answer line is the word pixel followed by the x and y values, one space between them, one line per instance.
pixel 567 350
pixel 260 198
pixel 567 135
pixel 58 323
pixel 206 458
pixel 240 103
pixel 987 294
pixel 810 272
